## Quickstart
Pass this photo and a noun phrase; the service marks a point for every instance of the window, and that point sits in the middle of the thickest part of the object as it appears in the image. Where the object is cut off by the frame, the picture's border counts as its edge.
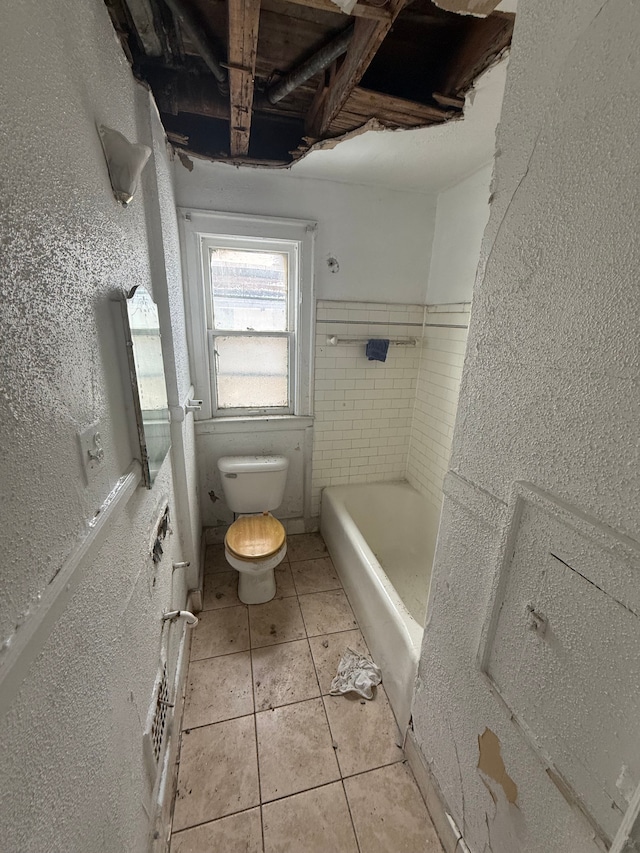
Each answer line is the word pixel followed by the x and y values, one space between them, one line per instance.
pixel 249 293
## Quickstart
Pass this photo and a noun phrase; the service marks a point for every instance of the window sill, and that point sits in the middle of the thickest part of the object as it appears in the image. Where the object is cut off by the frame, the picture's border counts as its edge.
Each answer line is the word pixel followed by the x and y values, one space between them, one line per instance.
pixel 255 423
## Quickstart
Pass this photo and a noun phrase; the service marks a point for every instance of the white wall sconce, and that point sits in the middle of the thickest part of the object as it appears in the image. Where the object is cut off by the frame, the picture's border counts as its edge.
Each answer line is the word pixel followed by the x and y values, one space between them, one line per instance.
pixel 125 161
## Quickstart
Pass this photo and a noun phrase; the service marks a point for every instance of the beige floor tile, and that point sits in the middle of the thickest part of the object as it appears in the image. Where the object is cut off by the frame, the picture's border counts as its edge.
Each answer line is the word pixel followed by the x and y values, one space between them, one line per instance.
pixel 294 749
pixel 221 590
pixel 238 833
pixel 328 649
pixel 315 575
pixel 215 560
pixel 275 622
pixel 306 546
pixel 218 772
pixel 389 814
pixel 316 821
pixel 327 613
pixel 283 674
pixel 220 632
pixel 218 689
pixel 284 582
pixel 365 732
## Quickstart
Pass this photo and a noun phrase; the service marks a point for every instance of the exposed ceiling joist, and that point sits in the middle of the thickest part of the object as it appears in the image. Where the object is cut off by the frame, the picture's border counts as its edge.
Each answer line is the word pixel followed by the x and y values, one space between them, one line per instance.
pixel 313 74
pixel 367 38
pixel 391 111
pixel 142 16
pixel 487 39
pixel 244 20
pixel 360 10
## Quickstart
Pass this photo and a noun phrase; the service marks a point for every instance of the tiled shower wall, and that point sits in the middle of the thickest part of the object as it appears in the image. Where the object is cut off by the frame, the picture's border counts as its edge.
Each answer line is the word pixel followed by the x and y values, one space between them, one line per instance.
pixel 363 409
pixel 386 420
pixel 436 400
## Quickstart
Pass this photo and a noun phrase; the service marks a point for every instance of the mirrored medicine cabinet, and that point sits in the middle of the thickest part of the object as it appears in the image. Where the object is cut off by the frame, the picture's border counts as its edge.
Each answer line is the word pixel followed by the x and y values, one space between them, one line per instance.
pixel 146 371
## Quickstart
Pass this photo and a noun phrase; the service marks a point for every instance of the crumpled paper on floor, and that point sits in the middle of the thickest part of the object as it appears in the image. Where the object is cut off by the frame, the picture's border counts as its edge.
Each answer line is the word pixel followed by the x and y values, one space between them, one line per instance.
pixel 356 674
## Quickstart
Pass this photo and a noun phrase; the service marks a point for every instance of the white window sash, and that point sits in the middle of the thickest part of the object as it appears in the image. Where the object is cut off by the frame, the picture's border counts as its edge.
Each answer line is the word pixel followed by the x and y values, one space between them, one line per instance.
pixel 219 412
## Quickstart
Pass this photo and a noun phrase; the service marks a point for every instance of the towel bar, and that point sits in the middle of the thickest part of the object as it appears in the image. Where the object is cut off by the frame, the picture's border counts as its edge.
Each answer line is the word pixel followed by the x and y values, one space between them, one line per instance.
pixel 334 340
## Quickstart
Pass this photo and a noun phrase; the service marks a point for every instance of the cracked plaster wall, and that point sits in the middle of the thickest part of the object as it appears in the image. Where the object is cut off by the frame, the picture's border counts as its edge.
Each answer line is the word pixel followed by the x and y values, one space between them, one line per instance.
pixel 72 776
pixel 461 217
pixel 549 389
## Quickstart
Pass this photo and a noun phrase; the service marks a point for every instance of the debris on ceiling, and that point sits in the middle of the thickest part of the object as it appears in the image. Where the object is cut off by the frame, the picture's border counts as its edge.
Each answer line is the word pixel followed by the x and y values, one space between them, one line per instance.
pixel 262 81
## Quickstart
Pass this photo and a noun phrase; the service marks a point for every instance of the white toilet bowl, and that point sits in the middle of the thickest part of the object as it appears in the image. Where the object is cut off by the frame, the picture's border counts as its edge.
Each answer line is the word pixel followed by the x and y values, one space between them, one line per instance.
pixel 255 558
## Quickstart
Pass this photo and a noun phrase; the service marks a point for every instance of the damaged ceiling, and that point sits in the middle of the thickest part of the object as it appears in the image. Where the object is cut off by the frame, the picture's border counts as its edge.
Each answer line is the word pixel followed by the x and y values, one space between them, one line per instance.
pixel 263 81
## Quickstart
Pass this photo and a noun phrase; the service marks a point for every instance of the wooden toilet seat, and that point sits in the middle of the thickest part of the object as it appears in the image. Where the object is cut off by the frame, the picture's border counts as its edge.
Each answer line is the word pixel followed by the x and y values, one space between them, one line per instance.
pixel 255 537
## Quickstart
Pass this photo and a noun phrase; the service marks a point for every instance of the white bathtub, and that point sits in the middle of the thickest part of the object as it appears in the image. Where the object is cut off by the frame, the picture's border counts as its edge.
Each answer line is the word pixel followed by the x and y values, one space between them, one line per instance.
pixel 382 537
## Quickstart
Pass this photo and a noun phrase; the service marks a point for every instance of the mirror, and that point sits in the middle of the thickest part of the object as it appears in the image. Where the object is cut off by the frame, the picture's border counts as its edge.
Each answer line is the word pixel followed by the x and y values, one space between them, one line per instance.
pixel 144 348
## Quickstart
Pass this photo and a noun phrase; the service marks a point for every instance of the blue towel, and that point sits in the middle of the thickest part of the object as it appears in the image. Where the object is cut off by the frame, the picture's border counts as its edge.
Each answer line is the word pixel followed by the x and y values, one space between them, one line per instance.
pixel 377 349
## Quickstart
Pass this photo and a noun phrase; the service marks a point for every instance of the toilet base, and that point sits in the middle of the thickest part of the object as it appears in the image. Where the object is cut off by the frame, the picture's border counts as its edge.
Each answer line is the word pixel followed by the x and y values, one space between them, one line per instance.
pixel 256 587
pixel 257 581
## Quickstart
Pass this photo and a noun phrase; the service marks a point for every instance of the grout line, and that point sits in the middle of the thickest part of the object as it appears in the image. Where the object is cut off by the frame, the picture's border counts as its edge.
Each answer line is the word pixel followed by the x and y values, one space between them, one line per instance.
pixel 335 752
pixel 255 731
pixel 217 722
pixel 371 322
pixel 402 760
pixel 303 791
pixel 333 739
pixel 353 826
pixel 215 820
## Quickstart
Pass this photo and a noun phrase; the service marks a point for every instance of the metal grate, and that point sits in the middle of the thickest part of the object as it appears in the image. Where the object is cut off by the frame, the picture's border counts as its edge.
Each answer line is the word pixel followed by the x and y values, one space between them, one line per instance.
pixel 160 714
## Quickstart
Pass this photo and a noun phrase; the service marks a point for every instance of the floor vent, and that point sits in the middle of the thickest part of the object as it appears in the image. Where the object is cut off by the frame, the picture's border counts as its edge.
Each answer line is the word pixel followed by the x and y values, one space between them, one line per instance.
pixel 157 720
pixel 160 716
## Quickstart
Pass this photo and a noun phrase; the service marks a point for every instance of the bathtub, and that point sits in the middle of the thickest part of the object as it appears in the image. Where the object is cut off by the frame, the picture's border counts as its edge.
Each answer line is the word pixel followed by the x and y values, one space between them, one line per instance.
pixel 381 537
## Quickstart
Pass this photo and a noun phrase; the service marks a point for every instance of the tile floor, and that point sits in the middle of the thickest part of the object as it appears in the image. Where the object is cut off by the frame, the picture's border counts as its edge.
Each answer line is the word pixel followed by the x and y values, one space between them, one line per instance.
pixel 269 762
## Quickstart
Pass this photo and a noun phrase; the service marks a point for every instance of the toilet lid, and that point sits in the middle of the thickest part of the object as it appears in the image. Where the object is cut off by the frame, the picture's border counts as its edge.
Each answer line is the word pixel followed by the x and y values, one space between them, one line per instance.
pixel 255 537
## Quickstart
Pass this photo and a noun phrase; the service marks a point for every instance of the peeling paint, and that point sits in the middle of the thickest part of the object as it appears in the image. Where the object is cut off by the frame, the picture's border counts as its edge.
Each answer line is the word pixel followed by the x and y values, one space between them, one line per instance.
pixel 491 764
pixel 549 396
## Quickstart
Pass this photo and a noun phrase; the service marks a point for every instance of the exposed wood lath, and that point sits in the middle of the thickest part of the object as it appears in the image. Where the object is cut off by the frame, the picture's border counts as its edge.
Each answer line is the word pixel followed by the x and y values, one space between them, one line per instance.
pixel 262 81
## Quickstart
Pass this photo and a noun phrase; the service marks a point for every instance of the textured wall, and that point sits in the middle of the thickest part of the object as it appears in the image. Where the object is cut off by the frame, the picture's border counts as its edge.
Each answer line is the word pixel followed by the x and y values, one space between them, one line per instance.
pixel 461 216
pixel 436 399
pixel 549 391
pixel 380 238
pixel 71 771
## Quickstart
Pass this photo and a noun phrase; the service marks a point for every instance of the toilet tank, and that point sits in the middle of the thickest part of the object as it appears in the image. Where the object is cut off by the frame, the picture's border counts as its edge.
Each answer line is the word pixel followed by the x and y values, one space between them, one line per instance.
pixel 253 483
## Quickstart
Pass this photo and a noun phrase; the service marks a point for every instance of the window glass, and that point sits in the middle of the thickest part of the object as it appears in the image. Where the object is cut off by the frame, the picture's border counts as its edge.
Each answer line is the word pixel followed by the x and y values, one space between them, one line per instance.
pixel 251 371
pixel 249 290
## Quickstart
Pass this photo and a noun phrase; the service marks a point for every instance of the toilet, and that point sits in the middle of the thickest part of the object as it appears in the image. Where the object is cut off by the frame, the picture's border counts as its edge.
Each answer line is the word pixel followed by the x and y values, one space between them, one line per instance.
pixel 256 542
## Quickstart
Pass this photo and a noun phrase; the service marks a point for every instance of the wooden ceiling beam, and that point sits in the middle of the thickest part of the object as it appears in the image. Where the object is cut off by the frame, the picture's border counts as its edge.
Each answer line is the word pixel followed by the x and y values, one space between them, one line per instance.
pixel 244 19
pixel 391 111
pixel 485 40
pixel 360 10
pixel 143 20
pixel 367 37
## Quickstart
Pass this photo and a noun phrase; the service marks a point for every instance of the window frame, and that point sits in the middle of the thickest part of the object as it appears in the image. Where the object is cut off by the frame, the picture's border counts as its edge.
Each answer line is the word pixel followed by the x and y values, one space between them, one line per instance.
pixel 291 250
pixel 202 230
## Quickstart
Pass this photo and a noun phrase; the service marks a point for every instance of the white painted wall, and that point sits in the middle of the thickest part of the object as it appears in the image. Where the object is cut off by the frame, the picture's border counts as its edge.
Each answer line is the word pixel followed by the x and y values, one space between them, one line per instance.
pixel 71 767
pixel 381 238
pixel 550 396
pixel 461 217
